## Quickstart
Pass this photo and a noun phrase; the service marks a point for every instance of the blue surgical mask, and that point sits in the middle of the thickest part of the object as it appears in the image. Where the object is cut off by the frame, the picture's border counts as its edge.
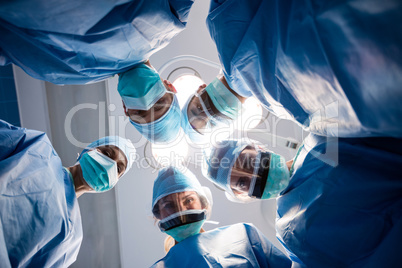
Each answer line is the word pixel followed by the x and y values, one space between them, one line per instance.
pixel 165 129
pixel 184 229
pixel 223 99
pixel 99 171
pixel 140 88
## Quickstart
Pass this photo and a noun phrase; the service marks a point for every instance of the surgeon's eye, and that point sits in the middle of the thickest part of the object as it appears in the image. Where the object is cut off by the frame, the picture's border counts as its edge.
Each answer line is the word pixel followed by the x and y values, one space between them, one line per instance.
pixel 167 205
pixel 160 105
pixel 189 201
pixel 242 184
pixel 106 151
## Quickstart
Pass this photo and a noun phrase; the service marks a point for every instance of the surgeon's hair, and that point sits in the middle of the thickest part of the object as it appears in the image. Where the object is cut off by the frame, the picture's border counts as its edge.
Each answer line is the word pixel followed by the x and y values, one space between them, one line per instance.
pixel 204 202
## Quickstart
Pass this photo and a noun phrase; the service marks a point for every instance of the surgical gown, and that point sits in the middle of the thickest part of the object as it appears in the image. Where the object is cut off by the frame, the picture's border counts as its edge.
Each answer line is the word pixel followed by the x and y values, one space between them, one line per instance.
pixel 78 42
pixel 40 222
pixel 335 67
pixel 343 204
pixel 238 245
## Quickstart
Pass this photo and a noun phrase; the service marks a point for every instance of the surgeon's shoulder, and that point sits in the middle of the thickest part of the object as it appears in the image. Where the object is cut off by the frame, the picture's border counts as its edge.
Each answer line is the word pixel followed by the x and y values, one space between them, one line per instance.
pixel 245 225
pixel 39 144
pixel 237 228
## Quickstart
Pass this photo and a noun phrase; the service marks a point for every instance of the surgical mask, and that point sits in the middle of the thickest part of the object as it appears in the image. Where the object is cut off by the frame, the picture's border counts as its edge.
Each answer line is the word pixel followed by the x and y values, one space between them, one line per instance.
pixel 270 177
pixel 164 129
pixel 99 171
pixel 140 88
pixel 223 99
pixel 183 224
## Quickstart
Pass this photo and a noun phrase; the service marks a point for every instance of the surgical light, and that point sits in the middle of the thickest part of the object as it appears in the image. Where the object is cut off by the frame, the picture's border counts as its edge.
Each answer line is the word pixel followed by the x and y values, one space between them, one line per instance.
pixel 186 85
pixel 174 153
pixel 251 115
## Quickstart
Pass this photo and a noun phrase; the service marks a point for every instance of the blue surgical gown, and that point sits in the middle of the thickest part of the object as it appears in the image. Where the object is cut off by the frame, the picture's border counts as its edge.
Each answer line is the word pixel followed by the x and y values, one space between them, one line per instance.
pixel 335 67
pixel 238 245
pixel 40 222
pixel 343 205
pixel 77 42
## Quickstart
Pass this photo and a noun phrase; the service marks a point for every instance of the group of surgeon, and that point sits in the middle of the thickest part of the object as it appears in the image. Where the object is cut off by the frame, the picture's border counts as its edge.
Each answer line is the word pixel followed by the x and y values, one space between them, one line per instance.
pixel 333 67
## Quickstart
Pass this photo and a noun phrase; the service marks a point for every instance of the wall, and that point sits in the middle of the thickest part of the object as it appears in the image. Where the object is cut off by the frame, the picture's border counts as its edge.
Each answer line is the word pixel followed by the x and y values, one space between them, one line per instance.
pixel 8 96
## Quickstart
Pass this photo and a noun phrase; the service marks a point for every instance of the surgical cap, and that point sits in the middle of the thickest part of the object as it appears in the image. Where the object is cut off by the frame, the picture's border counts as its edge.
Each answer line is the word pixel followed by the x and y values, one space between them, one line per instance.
pixel 219 162
pixel 141 87
pixel 164 129
pixel 171 180
pixel 123 144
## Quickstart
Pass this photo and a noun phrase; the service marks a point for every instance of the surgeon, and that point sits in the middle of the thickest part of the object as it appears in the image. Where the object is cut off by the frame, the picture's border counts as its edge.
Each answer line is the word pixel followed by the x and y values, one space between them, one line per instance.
pixel 40 221
pixel 150 103
pixel 335 68
pixel 339 201
pixel 79 42
pixel 181 206
pixel 209 108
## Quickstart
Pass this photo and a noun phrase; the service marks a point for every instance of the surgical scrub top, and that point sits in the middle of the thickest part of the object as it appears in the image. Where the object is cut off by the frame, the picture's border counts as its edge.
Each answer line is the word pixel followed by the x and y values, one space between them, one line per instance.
pixel 78 42
pixel 343 204
pixel 238 245
pixel 40 222
pixel 334 67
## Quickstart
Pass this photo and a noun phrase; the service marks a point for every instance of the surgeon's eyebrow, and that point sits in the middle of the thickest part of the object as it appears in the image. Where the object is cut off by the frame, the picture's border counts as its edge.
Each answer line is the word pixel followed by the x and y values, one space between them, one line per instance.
pixel 184 197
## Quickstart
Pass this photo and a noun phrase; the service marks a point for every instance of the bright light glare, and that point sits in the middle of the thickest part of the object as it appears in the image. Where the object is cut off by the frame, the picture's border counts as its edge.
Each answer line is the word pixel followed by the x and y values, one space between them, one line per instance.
pixel 251 115
pixel 174 153
pixel 186 85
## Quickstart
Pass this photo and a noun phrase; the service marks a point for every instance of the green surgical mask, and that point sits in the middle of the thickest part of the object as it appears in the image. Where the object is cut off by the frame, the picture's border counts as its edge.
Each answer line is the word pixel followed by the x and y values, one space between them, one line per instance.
pixel 182 232
pixel 269 178
pixel 183 224
pixel 99 171
pixel 278 177
pixel 223 99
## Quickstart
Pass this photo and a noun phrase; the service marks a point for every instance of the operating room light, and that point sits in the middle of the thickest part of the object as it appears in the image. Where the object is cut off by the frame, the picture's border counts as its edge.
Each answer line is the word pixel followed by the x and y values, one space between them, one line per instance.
pixel 174 153
pixel 251 115
pixel 185 86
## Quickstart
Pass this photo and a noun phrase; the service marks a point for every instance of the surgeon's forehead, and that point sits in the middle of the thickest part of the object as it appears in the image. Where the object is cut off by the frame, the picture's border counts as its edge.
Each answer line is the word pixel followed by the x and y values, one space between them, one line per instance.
pixel 249 151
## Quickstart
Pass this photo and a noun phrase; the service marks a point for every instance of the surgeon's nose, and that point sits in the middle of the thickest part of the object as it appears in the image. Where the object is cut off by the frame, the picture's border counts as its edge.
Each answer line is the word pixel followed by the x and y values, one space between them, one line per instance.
pixel 201 87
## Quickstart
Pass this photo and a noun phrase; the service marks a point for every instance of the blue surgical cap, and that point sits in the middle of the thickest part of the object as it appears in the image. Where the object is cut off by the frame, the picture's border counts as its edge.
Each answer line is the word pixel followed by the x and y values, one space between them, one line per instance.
pixel 123 144
pixel 141 87
pixel 164 129
pixel 171 180
pixel 219 162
